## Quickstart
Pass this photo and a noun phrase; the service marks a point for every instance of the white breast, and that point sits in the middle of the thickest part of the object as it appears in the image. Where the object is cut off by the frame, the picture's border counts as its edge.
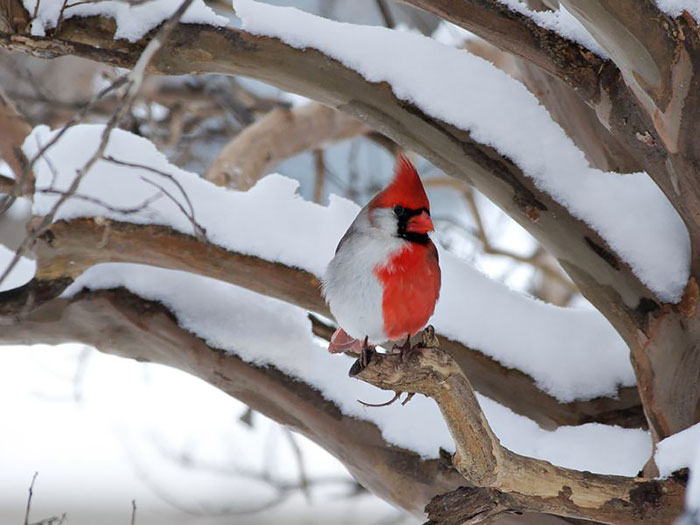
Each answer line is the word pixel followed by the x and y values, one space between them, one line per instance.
pixel 353 292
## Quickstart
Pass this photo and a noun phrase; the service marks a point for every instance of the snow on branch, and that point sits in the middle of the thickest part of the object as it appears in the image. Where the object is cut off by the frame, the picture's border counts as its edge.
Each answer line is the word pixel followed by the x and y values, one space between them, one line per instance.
pixel 571 354
pixel 133 20
pixel 630 212
pixel 559 21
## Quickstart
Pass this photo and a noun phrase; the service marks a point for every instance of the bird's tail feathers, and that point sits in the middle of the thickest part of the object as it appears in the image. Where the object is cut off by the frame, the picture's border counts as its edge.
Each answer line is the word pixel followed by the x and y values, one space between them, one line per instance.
pixel 342 342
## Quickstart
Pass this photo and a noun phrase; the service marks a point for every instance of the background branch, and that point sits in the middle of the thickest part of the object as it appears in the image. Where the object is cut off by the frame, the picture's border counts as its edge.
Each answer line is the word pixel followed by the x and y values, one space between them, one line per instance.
pixel 279 135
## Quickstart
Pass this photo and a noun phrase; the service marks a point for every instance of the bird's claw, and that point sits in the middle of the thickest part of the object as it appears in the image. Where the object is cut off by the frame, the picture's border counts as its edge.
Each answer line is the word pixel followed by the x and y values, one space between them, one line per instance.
pixel 366 353
pixel 409 396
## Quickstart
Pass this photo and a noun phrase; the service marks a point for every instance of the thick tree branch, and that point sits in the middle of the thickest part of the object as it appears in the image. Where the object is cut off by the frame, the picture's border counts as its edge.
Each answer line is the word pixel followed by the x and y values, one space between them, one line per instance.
pixel 505 481
pixel 605 279
pixel 69 248
pixel 280 134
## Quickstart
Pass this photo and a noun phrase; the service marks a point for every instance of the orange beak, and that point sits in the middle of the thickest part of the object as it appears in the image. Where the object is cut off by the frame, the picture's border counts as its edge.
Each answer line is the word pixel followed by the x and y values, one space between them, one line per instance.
pixel 420 224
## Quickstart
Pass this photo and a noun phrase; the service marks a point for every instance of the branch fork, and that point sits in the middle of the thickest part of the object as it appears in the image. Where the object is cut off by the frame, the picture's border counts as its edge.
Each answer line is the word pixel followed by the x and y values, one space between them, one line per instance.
pixel 497 479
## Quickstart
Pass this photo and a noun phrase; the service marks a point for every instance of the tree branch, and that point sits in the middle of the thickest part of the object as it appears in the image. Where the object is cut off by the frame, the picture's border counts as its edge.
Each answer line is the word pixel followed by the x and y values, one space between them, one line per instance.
pixel 280 134
pixel 504 481
pixel 13 130
pixel 521 36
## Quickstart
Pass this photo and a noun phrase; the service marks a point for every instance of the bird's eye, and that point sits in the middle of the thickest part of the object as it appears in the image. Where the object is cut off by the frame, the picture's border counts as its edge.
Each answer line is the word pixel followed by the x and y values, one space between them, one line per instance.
pixel 398 210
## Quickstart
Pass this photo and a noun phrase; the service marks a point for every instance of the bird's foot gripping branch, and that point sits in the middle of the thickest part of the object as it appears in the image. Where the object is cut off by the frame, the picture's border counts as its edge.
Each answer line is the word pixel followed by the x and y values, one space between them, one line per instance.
pixel 498 480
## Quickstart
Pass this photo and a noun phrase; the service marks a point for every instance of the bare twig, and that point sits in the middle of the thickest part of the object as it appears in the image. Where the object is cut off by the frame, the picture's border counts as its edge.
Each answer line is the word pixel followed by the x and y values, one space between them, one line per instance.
pixel 199 230
pixel 486 245
pixel 320 165
pixel 298 455
pixel 93 200
pixel 29 499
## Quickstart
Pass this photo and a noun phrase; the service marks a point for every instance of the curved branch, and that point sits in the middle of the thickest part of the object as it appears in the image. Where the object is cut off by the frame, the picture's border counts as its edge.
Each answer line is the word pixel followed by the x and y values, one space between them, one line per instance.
pixel 280 134
pixel 504 481
pixel 69 248
pixel 643 51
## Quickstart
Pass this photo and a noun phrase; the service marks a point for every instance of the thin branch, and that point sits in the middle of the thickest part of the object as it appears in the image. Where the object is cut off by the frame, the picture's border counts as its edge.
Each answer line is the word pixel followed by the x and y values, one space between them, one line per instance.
pixel 114 209
pixel 29 499
pixel 386 14
pixel 487 247
pixel 320 170
pixel 199 230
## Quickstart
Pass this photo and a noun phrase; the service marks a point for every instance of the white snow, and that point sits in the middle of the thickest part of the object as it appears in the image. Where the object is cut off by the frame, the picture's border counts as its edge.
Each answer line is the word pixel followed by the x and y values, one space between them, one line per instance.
pixel 675 8
pixel 451 34
pixel 262 222
pixel 133 21
pixel 572 354
pixel 560 21
pixel 677 451
pixel 266 331
pixel 629 212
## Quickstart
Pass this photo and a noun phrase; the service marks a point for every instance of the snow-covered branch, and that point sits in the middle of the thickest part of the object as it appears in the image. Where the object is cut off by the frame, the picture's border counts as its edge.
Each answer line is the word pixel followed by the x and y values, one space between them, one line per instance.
pixel 505 25
pixel 122 323
pixel 556 381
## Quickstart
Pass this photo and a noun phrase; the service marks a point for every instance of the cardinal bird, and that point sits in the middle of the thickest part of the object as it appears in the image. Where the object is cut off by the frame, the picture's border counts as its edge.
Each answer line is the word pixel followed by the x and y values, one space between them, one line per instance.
pixel 384 280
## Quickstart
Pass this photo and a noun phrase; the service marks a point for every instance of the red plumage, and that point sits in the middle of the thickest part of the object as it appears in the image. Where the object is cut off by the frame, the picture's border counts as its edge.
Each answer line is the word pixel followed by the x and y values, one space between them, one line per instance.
pixel 411 285
pixel 406 189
